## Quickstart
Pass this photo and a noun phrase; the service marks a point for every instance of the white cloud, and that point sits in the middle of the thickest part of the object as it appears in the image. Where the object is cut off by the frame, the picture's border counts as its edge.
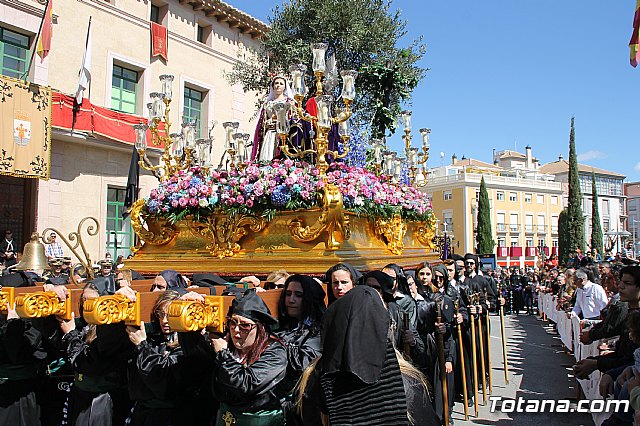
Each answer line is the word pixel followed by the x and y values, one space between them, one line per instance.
pixel 591 155
pixel 637 167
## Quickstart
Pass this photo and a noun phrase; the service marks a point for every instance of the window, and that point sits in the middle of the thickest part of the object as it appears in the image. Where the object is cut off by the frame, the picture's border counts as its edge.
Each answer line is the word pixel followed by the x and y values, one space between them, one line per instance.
pixel 528 223
pixel 554 243
pixel 193 107
pixel 540 199
pixel 500 220
pixel 513 196
pixel 203 34
pixel 554 200
pixel 514 243
pixel 502 242
pixel 513 222
pixel 119 233
pixel 447 225
pixel 500 196
pixel 447 195
pixel 477 196
pixel 529 242
pixel 155 14
pixel 14 49
pixel 605 207
pixel 605 225
pixel 124 88
pixel 541 243
pixel 541 224
pixel 527 198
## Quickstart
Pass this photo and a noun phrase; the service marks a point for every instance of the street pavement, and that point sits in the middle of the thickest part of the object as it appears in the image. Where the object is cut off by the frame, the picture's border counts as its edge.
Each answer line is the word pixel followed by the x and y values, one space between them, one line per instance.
pixel 539 368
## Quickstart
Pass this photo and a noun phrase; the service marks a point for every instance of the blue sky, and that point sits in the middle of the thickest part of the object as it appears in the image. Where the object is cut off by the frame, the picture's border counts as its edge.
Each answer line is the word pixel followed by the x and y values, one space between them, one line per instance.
pixel 506 74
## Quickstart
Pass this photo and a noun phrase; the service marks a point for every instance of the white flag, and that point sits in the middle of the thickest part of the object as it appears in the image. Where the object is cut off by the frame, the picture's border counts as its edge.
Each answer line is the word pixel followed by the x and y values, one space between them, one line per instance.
pixel 85 70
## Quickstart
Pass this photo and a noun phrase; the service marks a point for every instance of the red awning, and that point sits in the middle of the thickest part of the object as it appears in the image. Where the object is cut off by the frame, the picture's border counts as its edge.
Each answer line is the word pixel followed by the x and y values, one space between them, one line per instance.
pixel 100 121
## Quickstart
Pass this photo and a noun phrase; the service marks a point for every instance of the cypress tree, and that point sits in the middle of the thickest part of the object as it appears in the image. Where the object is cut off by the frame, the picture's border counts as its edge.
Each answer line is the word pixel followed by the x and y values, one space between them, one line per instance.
pixel 563 231
pixel 575 219
pixel 484 236
pixel 596 229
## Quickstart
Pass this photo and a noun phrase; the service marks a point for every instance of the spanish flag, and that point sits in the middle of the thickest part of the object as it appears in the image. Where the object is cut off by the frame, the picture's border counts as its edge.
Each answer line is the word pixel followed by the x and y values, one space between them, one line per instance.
pixel 44 43
pixel 634 43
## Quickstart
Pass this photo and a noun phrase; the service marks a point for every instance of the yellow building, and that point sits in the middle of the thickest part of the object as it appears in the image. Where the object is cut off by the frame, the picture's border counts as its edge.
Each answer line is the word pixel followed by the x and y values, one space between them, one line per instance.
pixel 525 205
pixel 88 168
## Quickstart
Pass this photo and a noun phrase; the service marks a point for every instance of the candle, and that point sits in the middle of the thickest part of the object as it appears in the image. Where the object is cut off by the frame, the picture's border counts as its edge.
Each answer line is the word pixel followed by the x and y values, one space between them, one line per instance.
pixel 348 84
pixel 319 50
pixel 343 130
pixel 425 137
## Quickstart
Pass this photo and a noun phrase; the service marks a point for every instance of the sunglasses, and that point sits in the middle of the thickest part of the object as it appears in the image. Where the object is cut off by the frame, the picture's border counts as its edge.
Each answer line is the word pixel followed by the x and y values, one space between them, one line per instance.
pixel 439 277
pixel 243 326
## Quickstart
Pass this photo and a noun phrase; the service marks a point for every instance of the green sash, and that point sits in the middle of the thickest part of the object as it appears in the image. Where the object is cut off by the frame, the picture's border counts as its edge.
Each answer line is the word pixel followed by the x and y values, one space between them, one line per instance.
pixel 228 416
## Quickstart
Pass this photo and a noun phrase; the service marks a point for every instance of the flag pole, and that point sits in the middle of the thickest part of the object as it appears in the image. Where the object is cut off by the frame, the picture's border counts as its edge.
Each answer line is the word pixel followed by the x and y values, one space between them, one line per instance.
pixel 35 46
pixel 86 46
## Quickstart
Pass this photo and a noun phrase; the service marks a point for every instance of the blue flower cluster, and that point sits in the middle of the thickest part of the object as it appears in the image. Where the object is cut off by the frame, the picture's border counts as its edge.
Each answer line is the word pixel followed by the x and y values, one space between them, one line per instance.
pixel 280 196
pixel 358 145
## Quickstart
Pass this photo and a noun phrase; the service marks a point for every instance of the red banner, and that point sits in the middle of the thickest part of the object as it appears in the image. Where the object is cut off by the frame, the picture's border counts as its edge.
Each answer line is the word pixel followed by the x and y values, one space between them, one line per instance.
pixel 90 118
pixel 515 251
pixel 530 251
pixel 554 251
pixel 159 41
pixel 503 251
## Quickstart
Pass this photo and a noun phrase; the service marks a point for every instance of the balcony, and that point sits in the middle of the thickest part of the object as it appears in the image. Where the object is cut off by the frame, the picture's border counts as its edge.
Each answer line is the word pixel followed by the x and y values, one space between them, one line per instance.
pixel 528 229
pixel 554 230
pixel 515 251
pixel 502 252
pixel 501 227
pixel 541 229
pixel 530 251
pixel 514 228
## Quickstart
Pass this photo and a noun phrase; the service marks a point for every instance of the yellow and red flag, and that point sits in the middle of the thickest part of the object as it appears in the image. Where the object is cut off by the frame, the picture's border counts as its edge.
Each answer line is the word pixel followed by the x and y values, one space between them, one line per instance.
pixel 44 43
pixel 634 43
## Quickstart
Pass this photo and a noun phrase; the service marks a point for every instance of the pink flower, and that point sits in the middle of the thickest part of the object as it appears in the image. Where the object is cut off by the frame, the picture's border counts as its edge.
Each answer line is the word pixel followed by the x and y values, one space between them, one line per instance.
pixel 240 199
pixel 175 204
pixel 248 203
pixel 193 202
pixel 193 192
pixel 183 202
pixel 288 162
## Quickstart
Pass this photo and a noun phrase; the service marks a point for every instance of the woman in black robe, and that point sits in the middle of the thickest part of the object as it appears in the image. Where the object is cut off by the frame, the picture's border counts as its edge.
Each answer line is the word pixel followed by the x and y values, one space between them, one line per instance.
pixel 248 366
pixel 165 384
pixel 429 328
pixel 358 366
pixel 300 312
pixel 341 278
pixel 99 356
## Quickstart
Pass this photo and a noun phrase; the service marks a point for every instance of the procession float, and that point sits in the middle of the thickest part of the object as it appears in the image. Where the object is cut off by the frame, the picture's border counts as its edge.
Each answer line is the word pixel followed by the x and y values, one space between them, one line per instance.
pixel 303 210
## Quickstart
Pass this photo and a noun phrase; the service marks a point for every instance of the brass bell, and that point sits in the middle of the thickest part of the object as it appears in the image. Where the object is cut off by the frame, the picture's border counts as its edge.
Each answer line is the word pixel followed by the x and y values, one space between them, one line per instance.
pixel 33 256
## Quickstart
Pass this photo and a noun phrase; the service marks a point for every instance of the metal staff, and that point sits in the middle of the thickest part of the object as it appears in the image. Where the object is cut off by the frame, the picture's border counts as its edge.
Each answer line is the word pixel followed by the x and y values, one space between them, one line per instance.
pixel 474 360
pixel 463 368
pixel 443 370
pixel 405 326
pixel 504 344
pixel 489 347
pixel 481 340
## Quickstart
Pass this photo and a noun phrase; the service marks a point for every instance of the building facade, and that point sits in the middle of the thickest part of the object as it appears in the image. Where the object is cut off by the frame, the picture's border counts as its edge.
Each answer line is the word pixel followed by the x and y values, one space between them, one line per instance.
pixel 525 205
pixel 632 192
pixel 611 199
pixel 88 169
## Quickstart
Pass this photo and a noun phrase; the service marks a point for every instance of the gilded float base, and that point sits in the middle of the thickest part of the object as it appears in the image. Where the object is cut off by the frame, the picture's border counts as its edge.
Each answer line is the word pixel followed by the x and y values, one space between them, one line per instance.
pixel 366 244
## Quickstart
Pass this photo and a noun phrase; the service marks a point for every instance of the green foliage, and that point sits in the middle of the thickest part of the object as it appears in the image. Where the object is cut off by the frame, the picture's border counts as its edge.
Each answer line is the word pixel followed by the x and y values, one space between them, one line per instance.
pixel 563 233
pixel 484 236
pixel 575 218
pixel 596 229
pixel 363 34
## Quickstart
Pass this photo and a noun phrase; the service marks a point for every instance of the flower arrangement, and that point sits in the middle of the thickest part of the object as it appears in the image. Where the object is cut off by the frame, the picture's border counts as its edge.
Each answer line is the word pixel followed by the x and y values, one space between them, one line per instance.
pixel 265 189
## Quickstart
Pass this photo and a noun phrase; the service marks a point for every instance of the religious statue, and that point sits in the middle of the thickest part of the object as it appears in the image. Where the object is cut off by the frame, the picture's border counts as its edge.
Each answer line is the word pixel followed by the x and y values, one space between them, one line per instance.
pixel 265 140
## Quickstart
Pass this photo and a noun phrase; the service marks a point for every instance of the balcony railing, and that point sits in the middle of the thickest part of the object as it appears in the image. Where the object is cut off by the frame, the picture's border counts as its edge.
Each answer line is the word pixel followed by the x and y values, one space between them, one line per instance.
pixel 501 227
pixel 528 229
pixel 554 229
pixel 514 227
pixel 541 229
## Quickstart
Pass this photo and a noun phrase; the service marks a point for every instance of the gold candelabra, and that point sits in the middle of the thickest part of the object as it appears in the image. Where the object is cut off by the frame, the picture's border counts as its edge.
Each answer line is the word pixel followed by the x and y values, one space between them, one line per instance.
pixel 415 158
pixel 324 120
pixel 178 151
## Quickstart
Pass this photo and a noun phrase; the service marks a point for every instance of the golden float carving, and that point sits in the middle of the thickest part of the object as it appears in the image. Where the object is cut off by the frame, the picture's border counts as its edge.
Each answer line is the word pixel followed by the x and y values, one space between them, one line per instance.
pixel 332 221
pixel 189 315
pixel 42 304
pixel 393 231
pixel 159 232
pixel 6 299
pixel 223 232
pixel 425 233
pixel 112 309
